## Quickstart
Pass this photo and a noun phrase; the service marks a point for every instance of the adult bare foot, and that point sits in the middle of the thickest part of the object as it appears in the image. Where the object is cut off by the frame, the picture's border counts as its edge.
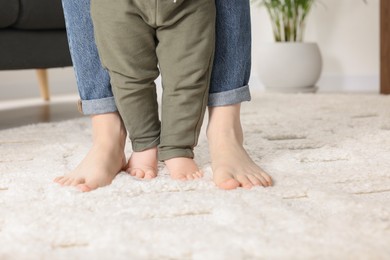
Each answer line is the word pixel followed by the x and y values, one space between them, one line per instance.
pixel 143 164
pixel 105 159
pixel 231 164
pixel 182 168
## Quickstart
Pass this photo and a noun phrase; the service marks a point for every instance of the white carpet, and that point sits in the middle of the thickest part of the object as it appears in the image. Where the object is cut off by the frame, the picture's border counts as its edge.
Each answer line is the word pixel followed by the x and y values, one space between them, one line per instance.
pixel 328 154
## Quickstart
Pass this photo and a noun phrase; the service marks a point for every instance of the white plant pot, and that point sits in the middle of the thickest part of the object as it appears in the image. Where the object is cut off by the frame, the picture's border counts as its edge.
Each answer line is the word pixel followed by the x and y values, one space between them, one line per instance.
pixel 290 66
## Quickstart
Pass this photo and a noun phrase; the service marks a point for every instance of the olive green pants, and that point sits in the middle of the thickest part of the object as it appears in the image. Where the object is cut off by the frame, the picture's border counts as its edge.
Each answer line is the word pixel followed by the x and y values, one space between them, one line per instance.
pixel 136 40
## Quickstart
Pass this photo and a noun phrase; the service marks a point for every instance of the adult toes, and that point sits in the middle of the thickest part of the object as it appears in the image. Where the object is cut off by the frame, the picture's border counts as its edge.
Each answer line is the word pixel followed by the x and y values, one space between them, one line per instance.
pixel 77 181
pixel 84 187
pixel 263 181
pixel 57 179
pixel 229 184
pixel 68 182
pixel 267 178
pixel 63 180
pixel 226 182
pixel 244 181
pixel 255 181
pixel 88 186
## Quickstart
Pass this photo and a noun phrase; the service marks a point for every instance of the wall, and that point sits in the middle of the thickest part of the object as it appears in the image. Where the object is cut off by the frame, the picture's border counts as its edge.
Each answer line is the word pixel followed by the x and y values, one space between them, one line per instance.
pixel 19 84
pixel 347 32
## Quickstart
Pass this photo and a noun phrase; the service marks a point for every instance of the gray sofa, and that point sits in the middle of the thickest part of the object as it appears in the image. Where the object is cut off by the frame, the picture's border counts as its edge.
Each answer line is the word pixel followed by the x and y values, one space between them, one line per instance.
pixel 33 36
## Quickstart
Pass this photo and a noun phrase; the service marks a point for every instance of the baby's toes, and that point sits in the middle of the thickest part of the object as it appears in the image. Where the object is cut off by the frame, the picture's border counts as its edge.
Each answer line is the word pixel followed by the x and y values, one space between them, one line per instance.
pixel 199 174
pixel 150 175
pixel 190 176
pixel 195 176
pixel 137 173
pixel 130 171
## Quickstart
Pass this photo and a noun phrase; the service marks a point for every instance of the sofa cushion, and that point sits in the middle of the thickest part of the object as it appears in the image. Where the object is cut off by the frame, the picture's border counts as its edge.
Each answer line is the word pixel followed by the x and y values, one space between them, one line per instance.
pixel 29 49
pixel 40 14
pixel 9 10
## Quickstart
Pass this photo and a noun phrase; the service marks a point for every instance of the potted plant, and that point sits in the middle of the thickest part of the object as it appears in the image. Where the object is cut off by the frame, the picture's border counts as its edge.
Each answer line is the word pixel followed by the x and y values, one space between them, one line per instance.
pixel 289 64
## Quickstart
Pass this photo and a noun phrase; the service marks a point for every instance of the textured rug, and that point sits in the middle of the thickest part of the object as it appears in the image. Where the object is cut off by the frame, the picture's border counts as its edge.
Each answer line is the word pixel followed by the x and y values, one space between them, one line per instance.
pixel 329 155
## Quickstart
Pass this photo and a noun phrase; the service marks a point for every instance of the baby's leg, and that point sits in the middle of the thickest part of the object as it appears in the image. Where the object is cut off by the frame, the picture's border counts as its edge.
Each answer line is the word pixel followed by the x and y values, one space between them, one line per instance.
pixel 143 164
pixel 106 157
pixel 126 45
pixel 185 53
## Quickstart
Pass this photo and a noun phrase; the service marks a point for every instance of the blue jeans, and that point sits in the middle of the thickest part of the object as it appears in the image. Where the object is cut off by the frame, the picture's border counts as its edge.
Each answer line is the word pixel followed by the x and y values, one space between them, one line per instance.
pixel 232 62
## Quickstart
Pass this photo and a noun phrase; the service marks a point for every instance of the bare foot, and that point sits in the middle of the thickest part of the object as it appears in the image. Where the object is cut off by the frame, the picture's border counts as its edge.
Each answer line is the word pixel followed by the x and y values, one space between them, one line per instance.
pixel 143 164
pixel 231 164
pixel 182 168
pixel 106 157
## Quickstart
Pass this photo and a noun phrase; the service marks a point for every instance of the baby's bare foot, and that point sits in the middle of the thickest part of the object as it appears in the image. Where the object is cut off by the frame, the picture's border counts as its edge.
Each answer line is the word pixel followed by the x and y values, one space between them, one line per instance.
pixel 182 168
pixel 143 164
pixel 105 159
pixel 231 164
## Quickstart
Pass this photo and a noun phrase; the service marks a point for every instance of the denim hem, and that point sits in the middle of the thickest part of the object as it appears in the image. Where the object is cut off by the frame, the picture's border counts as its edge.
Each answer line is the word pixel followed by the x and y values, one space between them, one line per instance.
pixel 98 106
pixel 229 97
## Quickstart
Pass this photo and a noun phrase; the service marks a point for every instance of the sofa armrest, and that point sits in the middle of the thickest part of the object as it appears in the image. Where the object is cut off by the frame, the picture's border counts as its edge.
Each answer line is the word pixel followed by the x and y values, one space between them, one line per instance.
pixel 9 10
pixel 40 14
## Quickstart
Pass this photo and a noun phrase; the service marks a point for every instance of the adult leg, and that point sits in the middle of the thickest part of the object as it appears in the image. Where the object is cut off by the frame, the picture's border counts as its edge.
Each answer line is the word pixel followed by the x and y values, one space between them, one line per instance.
pixel 231 164
pixel 106 157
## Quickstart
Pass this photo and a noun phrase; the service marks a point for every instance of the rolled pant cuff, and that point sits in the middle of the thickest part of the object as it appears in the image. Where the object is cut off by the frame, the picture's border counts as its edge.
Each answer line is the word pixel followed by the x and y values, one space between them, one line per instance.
pixel 97 106
pixel 229 97
pixel 175 153
pixel 145 144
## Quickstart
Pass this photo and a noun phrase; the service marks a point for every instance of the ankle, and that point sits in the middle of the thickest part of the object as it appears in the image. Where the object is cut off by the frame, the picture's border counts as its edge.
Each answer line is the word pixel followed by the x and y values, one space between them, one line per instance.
pixel 224 123
pixel 225 134
pixel 108 129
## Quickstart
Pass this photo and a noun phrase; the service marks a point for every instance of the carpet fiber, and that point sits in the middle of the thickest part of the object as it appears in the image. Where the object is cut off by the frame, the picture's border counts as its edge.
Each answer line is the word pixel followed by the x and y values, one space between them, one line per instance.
pixel 329 155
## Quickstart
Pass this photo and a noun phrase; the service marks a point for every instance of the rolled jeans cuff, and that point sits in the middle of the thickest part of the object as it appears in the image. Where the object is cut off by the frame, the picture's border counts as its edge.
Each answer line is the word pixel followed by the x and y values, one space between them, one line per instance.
pixel 229 97
pixel 97 106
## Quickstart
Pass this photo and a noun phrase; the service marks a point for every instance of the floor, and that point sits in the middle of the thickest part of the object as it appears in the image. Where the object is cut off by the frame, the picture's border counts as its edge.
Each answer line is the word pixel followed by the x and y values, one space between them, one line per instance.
pixel 21 104
pixel 328 155
pixel 38 113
